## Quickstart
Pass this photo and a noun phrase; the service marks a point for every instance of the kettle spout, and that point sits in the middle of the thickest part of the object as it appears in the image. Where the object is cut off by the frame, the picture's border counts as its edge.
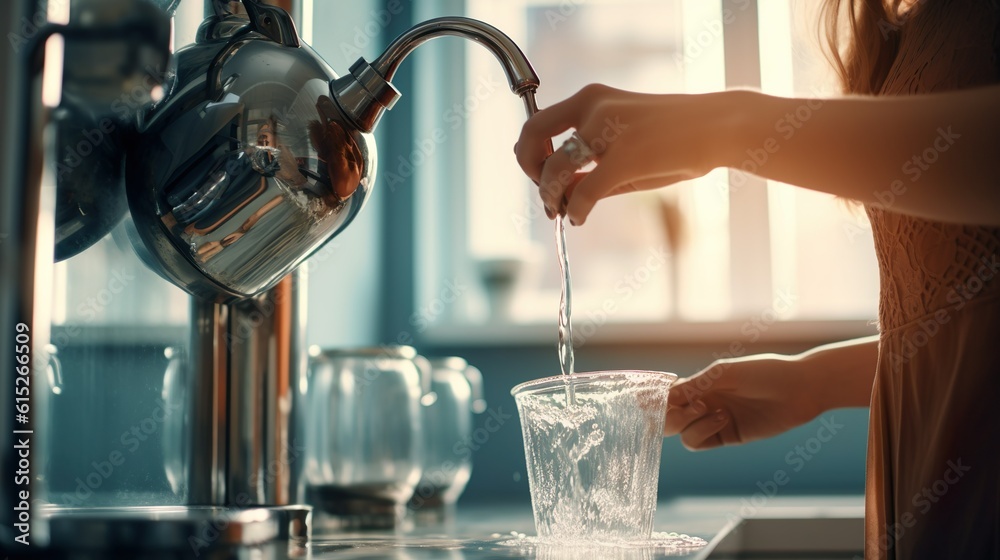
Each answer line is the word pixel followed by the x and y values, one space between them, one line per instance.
pixel 367 91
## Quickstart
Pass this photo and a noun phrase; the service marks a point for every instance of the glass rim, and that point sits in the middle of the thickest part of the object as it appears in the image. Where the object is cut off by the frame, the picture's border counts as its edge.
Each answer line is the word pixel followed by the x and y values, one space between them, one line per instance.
pixel 560 380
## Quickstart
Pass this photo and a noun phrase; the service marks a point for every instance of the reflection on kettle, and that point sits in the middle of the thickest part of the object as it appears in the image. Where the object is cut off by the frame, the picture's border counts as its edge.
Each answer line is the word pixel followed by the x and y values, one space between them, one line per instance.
pixel 242 179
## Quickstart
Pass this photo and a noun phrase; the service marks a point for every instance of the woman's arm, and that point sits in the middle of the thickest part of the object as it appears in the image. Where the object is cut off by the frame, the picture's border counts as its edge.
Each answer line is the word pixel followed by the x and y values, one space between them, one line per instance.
pixel 844 370
pixel 745 399
pixel 936 156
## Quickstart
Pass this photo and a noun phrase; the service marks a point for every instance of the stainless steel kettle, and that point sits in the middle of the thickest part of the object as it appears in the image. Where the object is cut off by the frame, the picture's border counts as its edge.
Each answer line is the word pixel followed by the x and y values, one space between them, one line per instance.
pixel 259 153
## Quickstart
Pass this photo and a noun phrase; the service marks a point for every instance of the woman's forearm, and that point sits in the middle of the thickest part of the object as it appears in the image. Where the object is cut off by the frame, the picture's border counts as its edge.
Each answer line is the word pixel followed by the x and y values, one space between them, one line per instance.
pixel 936 156
pixel 843 372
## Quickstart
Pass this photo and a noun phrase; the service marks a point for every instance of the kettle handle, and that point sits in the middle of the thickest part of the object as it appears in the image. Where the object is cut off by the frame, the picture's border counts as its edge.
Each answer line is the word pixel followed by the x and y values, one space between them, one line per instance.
pixel 270 21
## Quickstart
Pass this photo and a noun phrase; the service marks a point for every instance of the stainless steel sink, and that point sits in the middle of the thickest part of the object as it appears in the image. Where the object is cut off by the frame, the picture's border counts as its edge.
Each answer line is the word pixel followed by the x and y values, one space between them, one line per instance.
pixel 789 538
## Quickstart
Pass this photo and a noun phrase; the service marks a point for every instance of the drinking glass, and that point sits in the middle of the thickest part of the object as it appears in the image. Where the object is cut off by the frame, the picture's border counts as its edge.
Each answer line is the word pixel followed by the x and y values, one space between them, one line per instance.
pixel 593 459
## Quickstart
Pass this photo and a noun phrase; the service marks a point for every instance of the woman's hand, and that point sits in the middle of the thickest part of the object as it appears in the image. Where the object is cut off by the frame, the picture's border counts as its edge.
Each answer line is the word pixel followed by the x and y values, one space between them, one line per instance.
pixel 640 142
pixel 741 400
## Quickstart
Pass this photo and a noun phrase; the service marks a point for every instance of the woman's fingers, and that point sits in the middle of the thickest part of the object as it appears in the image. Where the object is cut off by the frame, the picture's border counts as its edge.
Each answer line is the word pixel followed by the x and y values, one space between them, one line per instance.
pixel 601 181
pixel 559 177
pixel 533 143
pixel 705 432
pixel 679 416
pixel 532 146
pixel 604 181
pixel 679 395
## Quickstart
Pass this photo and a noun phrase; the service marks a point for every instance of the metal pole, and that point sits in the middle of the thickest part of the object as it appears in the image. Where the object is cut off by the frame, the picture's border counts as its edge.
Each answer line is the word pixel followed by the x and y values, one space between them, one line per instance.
pixel 207 374
pixel 267 359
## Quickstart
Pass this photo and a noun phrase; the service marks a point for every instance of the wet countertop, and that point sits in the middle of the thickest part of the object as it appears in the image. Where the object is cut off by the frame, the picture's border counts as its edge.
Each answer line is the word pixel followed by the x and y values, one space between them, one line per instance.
pixel 757 526
pixel 504 531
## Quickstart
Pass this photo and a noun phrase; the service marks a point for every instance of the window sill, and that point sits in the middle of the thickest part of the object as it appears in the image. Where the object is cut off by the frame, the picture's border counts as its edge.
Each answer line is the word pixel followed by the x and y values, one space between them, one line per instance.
pixel 726 333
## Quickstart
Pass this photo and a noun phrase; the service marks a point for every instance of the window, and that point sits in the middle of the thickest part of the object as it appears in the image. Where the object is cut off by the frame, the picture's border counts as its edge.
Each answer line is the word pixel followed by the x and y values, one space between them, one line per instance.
pixel 718 249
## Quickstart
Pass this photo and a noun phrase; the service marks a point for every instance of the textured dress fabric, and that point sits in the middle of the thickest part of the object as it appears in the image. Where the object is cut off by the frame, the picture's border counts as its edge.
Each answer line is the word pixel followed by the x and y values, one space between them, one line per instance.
pixel 933 469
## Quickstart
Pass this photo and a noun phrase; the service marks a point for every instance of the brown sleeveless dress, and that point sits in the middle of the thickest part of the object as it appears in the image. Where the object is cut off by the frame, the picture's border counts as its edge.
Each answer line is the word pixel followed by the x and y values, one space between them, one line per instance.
pixel 933 472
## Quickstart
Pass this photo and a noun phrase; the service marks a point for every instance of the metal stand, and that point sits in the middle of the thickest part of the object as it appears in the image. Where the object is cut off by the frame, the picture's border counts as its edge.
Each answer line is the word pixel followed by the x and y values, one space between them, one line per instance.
pixel 182 532
pixel 239 455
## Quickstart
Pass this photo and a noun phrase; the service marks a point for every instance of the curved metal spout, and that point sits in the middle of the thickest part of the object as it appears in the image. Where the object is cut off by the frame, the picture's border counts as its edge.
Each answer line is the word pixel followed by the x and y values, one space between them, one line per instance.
pixel 367 91
pixel 519 72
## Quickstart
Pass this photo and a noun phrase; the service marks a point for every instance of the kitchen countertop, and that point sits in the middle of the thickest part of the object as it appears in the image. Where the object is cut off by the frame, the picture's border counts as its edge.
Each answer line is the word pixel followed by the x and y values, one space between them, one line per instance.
pixel 486 531
pixel 759 527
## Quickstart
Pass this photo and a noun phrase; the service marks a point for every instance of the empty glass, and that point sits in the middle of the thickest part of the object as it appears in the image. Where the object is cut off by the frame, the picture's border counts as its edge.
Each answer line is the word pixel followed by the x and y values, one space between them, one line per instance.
pixel 593 464
pixel 363 431
pixel 457 390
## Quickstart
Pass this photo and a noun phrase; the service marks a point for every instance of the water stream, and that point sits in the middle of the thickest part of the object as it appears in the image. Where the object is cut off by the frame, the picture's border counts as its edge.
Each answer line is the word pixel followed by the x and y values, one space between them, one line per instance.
pixel 565 338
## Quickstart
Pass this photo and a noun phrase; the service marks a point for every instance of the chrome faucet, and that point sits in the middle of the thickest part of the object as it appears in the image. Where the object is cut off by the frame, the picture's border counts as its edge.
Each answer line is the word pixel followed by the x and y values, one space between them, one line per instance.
pixel 367 92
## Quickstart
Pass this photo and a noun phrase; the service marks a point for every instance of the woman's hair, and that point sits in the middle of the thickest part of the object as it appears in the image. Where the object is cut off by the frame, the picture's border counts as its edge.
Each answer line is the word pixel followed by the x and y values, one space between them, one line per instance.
pixel 862 39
